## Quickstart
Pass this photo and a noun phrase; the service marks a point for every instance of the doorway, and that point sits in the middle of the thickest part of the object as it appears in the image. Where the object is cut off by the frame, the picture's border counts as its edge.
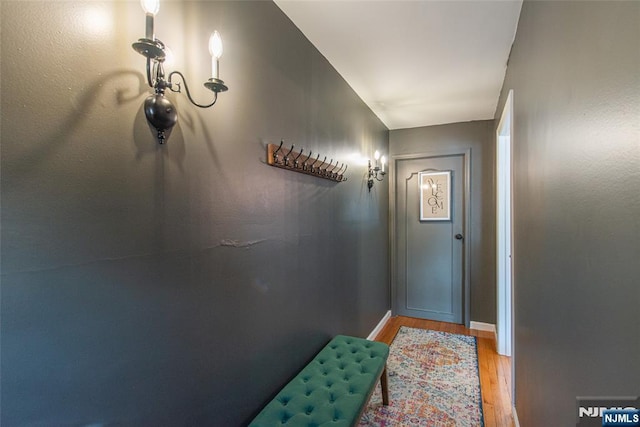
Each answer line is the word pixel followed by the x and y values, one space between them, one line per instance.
pixel 504 235
pixel 430 252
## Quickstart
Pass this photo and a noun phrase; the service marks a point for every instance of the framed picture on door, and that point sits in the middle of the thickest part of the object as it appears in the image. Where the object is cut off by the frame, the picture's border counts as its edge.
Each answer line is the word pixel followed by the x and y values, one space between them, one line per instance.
pixel 435 196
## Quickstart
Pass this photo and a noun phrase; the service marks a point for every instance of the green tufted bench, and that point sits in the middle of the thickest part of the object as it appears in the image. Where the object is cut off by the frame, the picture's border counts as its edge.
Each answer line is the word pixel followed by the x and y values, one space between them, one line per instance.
pixel 333 389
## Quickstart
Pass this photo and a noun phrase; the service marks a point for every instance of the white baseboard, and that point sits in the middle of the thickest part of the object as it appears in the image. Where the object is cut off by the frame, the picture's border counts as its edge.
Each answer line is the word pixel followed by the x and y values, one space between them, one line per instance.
pixel 481 326
pixel 380 325
pixel 516 422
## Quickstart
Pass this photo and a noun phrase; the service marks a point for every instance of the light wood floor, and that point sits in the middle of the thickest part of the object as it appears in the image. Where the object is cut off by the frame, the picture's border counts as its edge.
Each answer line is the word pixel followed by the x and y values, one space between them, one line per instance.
pixel 495 370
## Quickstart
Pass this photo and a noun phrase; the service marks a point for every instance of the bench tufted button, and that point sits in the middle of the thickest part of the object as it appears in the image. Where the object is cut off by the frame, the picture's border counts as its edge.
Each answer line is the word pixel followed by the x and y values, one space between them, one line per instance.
pixel 308 393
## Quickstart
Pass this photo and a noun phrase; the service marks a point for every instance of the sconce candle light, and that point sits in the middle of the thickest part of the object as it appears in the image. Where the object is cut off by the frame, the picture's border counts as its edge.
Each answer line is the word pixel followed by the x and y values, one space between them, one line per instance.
pixel 376 172
pixel 160 112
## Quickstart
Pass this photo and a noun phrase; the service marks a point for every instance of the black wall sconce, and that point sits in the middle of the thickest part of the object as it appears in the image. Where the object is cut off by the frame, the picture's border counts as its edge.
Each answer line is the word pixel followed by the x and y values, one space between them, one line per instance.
pixel 376 172
pixel 160 112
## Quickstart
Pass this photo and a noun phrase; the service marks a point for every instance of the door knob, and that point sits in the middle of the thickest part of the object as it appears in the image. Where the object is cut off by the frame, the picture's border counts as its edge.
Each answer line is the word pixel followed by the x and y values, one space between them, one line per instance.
pixel 459 236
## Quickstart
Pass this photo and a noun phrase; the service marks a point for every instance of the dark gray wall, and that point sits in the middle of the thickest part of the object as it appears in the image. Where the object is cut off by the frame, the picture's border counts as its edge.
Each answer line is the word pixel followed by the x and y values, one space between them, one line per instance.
pixel 575 71
pixel 150 285
pixel 478 137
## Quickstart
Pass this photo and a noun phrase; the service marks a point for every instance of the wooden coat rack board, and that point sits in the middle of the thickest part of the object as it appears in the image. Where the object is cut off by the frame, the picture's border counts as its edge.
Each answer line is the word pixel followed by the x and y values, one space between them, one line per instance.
pixel 296 161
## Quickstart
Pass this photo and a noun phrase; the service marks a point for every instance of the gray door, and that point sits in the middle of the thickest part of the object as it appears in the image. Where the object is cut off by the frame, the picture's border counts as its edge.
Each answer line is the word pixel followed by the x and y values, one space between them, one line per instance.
pixel 429 263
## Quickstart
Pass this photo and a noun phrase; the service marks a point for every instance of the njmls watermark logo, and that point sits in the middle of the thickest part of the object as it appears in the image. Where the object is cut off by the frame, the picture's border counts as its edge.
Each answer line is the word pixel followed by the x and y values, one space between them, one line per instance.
pixel 608 411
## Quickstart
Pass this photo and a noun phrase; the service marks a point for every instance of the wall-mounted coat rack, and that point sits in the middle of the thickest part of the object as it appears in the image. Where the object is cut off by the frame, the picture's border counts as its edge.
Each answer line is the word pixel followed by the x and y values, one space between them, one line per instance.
pixel 287 158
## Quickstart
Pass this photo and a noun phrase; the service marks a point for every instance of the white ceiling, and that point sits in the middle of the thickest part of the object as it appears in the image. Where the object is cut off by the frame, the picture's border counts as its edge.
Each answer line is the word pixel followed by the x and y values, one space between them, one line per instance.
pixel 415 63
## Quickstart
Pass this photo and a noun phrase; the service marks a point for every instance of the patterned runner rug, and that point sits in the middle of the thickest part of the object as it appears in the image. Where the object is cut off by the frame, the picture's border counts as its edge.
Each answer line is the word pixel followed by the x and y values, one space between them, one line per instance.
pixel 433 381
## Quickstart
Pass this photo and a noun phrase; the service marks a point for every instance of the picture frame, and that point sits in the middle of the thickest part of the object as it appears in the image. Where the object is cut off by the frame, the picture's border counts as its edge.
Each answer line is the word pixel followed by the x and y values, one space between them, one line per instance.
pixel 435 195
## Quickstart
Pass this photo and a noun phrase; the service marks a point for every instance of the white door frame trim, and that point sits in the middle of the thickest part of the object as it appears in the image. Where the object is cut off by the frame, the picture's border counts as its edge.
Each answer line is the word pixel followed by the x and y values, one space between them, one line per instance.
pixel 504 248
pixel 466 283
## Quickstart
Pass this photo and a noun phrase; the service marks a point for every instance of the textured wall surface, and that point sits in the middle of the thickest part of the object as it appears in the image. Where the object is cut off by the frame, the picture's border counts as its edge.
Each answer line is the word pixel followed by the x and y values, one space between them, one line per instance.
pixel 179 284
pixel 575 72
pixel 479 138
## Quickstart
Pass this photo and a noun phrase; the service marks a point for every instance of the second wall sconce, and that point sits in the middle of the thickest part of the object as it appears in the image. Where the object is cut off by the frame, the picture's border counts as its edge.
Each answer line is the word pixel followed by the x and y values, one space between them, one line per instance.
pixel 376 172
pixel 160 112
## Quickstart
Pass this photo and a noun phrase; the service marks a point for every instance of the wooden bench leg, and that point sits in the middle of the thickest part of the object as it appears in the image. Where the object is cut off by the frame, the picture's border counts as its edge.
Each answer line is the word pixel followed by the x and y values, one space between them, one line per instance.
pixel 384 384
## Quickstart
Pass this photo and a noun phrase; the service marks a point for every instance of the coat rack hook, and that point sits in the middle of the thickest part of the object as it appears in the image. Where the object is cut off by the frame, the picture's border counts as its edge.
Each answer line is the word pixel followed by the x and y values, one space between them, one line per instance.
pixel 332 174
pixel 286 156
pixel 275 153
pixel 305 164
pixel 295 161
pixel 324 171
pixel 321 163
pixel 314 163
pixel 341 173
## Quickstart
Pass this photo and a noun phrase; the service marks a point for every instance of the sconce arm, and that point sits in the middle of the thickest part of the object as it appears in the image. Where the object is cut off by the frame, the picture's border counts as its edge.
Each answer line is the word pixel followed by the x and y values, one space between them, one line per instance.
pixel 186 88
pixel 151 81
